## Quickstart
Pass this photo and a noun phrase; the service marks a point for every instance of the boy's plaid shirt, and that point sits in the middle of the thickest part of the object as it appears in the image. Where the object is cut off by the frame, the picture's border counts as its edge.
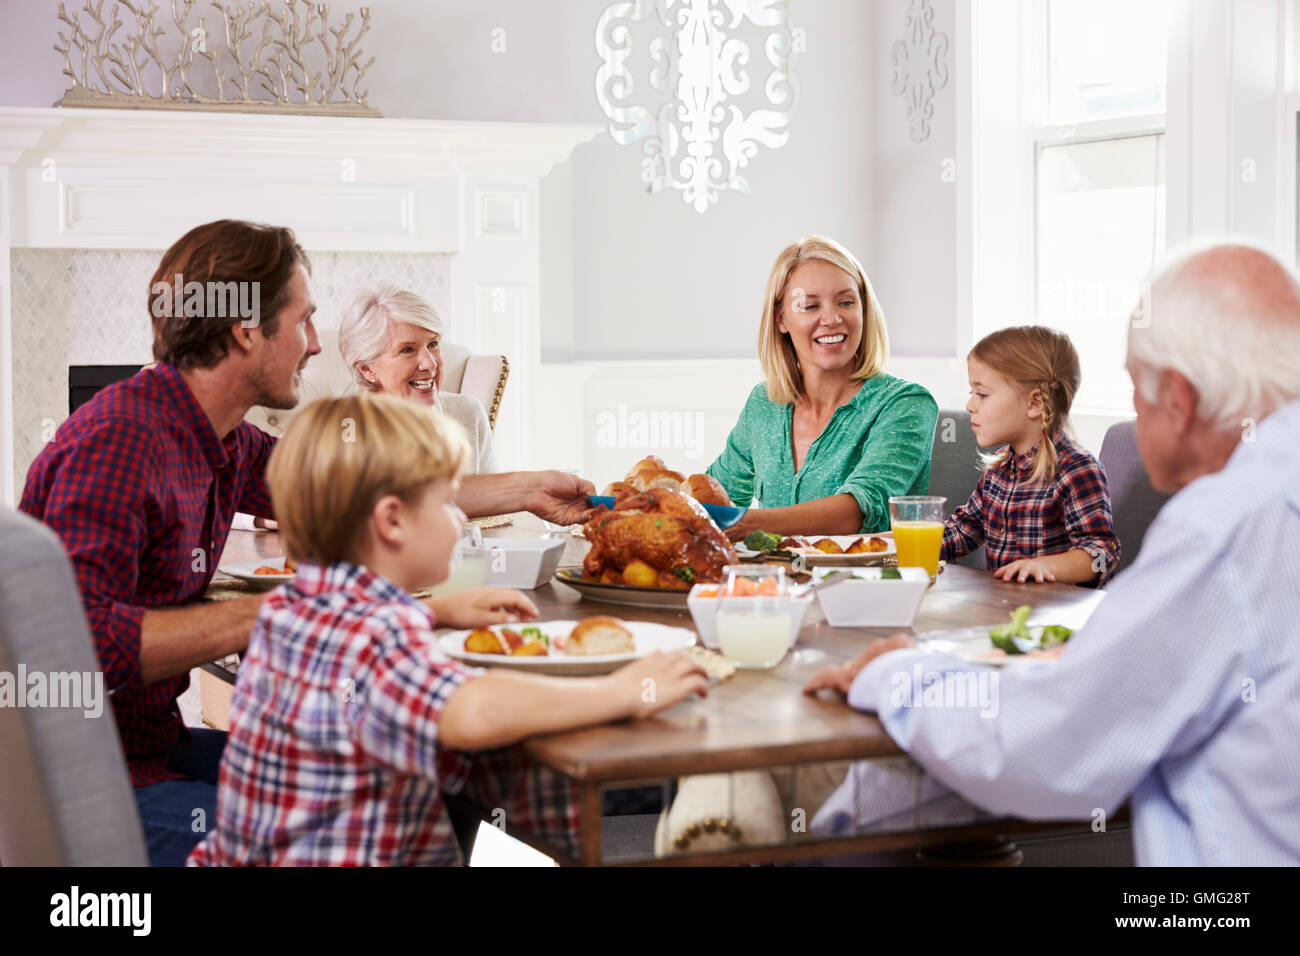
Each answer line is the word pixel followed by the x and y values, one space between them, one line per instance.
pixel 333 756
pixel 1016 518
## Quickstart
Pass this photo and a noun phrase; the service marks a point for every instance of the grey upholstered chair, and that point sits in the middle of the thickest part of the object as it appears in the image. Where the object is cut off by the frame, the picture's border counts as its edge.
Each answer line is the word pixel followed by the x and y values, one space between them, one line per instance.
pixel 955 467
pixel 65 796
pixel 1133 502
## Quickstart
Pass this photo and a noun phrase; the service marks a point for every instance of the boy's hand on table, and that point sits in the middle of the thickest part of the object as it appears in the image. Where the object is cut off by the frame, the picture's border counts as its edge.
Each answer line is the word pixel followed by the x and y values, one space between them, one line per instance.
pixel 481 607
pixel 657 681
pixel 841 678
pixel 1026 569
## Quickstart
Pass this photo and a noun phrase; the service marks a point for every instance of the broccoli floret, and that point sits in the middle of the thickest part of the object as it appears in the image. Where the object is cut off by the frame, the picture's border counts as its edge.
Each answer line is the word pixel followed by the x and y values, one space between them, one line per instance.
pixel 761 541
pixel 1004 635
pixel 1055 634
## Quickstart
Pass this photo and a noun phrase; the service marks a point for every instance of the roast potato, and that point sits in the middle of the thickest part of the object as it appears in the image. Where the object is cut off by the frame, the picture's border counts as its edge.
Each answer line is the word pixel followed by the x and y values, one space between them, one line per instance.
pixel 483 641
pixel 640 575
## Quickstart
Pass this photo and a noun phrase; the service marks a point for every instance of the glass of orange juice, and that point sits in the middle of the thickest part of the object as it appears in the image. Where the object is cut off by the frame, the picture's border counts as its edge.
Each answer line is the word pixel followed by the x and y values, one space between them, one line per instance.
pixel 917 521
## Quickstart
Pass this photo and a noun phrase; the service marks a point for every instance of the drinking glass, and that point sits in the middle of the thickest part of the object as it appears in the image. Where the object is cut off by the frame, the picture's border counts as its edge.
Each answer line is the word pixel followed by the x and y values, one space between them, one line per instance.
pixel 469 564
pixel 754 632
pixel 754 580
pixel 917 521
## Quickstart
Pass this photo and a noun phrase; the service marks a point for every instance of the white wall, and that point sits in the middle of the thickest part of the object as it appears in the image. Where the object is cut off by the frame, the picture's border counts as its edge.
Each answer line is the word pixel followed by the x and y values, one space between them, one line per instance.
pixel 629 278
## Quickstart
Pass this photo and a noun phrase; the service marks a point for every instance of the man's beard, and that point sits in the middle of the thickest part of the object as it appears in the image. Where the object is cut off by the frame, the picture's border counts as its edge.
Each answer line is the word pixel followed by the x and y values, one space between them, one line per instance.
pixel 271 394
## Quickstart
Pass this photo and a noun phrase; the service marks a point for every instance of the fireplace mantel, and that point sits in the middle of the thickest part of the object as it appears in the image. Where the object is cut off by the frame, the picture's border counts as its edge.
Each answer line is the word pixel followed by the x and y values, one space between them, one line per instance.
pixel 139 179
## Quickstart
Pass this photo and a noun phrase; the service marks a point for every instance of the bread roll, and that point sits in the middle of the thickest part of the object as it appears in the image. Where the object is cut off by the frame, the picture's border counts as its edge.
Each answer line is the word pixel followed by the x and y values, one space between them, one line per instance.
pixel 600 635
pixel 617 489
pixel 706 490
pixel 648 463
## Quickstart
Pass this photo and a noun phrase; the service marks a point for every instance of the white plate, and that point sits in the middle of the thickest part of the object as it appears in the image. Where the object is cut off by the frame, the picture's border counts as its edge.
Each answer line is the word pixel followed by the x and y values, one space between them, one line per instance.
pixel 815 559
pixel 973 644
pixel 647 637
pixel 244 571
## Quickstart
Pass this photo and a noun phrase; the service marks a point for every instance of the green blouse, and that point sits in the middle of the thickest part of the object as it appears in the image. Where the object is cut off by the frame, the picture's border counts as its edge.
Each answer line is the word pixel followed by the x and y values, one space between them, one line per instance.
pixel 875 446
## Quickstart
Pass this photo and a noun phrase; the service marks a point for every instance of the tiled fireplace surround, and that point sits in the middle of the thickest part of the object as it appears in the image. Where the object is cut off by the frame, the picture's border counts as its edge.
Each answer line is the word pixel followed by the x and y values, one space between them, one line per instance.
pixel 89 199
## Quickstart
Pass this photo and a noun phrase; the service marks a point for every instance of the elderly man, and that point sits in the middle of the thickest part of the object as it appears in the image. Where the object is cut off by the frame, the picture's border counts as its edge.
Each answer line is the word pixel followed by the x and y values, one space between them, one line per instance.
pixel 1180 692
pixel 142 482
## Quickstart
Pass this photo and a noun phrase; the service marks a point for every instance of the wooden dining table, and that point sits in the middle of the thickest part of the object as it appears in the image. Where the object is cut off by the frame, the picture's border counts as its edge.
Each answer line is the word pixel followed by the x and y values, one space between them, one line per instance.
pixel 756 719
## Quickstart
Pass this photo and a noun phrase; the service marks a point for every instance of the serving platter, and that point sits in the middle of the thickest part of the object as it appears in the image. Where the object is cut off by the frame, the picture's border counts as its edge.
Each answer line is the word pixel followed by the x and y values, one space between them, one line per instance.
pixel 625 594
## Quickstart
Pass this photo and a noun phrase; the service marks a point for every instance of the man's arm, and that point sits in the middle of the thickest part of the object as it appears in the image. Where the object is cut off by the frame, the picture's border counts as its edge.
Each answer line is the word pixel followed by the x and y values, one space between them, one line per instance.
pixel 553 495
pixel 173 640
pixel 1154 672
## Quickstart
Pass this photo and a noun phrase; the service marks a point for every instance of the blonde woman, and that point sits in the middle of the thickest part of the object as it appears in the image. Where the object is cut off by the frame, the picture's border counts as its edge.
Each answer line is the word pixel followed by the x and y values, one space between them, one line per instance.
pixel 391 339
pixel 825 440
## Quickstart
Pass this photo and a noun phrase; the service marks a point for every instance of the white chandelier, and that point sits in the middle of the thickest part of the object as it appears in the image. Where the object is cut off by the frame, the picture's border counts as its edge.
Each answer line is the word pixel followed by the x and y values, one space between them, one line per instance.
pixel 696 137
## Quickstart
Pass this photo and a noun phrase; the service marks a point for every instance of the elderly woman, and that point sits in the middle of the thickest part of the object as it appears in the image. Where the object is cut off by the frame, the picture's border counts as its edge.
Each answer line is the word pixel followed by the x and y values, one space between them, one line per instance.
pixel 824 442
pixel 391 338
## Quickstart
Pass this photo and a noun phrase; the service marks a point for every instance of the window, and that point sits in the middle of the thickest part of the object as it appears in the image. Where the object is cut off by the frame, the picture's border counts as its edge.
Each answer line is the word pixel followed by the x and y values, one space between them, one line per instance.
pixel 1068 148
pixel 1096 100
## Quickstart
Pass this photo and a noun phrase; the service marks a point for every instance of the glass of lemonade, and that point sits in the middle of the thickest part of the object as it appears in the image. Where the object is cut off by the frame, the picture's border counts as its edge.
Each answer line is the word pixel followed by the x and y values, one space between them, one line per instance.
pixel 753 621
pixel 917 521
pixel 469 564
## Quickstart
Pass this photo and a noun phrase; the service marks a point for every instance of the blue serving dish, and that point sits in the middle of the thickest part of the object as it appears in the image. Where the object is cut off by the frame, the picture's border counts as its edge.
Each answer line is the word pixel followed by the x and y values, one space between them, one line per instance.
pixel 724 516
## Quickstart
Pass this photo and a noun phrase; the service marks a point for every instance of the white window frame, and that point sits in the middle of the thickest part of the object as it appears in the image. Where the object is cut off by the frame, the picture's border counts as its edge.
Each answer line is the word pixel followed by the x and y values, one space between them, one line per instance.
pixel 1004 253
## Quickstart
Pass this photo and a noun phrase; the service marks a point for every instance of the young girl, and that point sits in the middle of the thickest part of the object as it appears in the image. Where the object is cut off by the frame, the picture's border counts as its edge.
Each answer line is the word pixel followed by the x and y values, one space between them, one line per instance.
pixel 348 722
pixel 1042 507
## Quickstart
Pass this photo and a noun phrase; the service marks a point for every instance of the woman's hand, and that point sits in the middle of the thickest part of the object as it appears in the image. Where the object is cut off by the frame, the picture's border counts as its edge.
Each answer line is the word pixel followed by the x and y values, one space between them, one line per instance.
pixel 656 682
pixel 560 497
pixel 481 607
pixel 841 678
pixel 749 522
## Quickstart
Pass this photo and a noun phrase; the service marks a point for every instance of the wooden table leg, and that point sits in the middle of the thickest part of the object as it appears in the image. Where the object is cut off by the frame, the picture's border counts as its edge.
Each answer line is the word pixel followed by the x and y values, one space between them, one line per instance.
pixel 590 851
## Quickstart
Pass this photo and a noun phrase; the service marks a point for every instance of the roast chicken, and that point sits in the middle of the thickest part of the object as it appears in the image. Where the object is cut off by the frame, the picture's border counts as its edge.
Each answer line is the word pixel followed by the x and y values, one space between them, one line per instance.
pixel 664 529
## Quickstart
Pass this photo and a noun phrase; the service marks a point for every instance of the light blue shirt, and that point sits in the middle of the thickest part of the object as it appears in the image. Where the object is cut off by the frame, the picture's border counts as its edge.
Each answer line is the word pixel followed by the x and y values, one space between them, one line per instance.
pixel 1182 693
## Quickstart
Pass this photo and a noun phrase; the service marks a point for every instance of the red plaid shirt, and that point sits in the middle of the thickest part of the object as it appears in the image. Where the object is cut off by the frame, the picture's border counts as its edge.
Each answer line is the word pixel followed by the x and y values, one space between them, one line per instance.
pixel 333 756
pixel 141 493
pixel 1015 518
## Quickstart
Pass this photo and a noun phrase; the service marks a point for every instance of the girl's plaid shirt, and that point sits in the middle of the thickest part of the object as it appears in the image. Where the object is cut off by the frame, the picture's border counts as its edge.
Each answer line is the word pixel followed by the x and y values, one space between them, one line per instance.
pixel 1016 518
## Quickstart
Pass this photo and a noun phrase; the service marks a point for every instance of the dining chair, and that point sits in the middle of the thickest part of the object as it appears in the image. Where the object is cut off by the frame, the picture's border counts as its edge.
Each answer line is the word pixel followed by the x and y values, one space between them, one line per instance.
pixel 327 375
pixel 955 468
pixel 65 796
pixel 1133 502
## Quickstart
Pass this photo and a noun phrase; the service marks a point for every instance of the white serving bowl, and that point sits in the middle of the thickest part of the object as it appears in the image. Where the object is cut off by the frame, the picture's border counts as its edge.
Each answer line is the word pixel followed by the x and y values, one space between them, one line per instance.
pixel 705 612
pixel 869 601
pixel 522 563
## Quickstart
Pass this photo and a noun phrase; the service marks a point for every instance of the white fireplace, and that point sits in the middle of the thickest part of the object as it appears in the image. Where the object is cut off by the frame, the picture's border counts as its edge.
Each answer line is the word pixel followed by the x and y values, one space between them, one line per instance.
pixel 89 199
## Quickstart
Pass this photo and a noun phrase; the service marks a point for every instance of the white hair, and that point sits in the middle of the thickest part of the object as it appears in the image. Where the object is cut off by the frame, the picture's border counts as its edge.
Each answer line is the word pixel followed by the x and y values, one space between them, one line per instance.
pixel 1226 316
pixel 367 324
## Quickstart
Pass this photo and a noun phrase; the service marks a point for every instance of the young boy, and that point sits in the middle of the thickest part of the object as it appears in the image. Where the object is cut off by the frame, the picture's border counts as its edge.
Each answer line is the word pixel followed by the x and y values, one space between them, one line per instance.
pixel 348 723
